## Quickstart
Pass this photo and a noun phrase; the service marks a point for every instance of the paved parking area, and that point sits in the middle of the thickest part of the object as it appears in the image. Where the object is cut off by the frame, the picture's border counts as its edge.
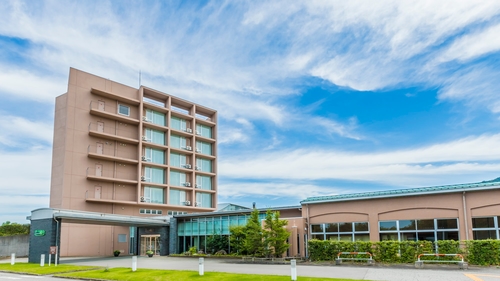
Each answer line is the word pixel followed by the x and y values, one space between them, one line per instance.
pixel 377 272
pixel 441 273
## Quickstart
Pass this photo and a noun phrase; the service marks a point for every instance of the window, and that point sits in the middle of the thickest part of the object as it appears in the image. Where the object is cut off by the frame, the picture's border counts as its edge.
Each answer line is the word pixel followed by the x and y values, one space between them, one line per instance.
pixel 173 213
pixel 418 230
pixel 154 136
pixel 204 147
pixel 177 141
pixel 123 110
pixel 342 231
pixel 177 197
pixel 155 117
pixel 204 131
pixel 154 155
pixel 178 123
pixel 150 212
pixel 203 182
pixel 154 175
pixel 178 160
pixel 177 178
pixel 485 228
pixel 122 238
pixel 153 195
pixel 204 200
pixel 204 165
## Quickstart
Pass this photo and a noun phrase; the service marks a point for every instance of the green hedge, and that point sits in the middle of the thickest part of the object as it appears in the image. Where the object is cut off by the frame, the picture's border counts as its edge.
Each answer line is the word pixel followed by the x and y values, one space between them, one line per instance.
pixel 480 252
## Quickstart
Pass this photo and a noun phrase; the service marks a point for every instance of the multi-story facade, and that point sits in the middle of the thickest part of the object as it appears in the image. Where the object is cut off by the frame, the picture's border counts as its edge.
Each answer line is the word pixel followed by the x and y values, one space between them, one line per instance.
pixel 128 151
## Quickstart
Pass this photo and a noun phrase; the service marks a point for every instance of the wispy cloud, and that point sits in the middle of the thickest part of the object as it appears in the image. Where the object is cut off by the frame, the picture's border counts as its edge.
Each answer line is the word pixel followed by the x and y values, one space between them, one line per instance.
pixel 18 131
pixel 474 155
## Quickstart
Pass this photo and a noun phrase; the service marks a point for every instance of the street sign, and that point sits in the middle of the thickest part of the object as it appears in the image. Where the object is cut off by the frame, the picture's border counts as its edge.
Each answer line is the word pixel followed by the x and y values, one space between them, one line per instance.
pixel 53 250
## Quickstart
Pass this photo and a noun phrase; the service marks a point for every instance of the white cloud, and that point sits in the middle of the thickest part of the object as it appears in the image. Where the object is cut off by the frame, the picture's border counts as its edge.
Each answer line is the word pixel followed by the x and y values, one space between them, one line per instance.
pixel 473 45
pixel 22 84
pixel 292 190
pixel 17 131
pixel 468 156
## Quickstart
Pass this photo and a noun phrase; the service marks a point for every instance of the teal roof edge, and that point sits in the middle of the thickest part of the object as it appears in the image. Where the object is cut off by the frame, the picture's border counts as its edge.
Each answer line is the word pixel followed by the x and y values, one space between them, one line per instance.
pixel 405 192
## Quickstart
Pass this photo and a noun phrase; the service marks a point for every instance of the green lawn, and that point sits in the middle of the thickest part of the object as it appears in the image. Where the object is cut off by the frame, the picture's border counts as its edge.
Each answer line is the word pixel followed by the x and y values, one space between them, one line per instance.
pixel 157 275
pixel 35 268
pixel 100 273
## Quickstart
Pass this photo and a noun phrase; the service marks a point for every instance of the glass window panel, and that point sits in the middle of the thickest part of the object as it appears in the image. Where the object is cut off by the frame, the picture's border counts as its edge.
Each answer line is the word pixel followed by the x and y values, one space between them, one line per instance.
pixel 408 236
pixel 317 228
pixel 362 237
pixel 318 236
pixel 210 226
pixel 484 234
pixel 345 237
pixel 204 165
pixel 204 147
pixel 153 195
pixel 447 224
pixel 361 226
pixel 447 235
pixel 177 178
pixel 204 200
pixel 345 227
pixel 483 222
pixel 178 123
pixel 332 237
pixel 123 110
pixel 388 237
pixel 204 182
pixel 177 141
pixel 331 227
pixel 387 225
pixel 225 227
pixel 177 160
pixel 203 130
pixel 155 117
pixel 242 221
pixel 425 224
pixel 426 236
pixel 407 225
pixel 155 155
pixel 177 197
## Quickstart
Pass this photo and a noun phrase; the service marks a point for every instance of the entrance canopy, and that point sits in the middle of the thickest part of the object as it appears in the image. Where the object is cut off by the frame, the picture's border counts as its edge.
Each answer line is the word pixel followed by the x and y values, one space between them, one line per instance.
pixel 72 216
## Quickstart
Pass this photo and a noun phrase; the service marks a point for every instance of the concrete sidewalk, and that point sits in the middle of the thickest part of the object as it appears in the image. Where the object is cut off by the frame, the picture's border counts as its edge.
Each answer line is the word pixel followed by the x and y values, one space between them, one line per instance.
pixel 441 273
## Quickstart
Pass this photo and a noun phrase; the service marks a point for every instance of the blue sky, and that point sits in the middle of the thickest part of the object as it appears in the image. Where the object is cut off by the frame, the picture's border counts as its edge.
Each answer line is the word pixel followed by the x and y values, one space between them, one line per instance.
pixel 314 97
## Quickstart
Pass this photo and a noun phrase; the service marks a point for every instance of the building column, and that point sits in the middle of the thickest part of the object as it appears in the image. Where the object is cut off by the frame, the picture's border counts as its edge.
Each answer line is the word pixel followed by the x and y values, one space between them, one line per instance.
pixel 44 233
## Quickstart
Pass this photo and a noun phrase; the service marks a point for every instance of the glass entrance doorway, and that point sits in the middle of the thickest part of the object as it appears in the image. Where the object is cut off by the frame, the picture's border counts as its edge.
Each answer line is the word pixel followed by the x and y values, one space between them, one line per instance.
pixel 150 242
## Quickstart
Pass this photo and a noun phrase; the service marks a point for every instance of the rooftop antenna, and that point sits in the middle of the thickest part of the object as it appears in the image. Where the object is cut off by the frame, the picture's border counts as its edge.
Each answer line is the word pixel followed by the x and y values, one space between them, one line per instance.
pixel 139 78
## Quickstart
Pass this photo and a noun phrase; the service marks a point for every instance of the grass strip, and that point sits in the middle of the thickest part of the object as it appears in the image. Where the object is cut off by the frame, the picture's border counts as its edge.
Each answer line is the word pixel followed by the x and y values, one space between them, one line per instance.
pixel 126 274
pixel 35 268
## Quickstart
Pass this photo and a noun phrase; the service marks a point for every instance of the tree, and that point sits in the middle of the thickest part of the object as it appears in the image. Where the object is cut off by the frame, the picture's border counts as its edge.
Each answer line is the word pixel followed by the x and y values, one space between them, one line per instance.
pixel 237 239
pixel 9 229
pixel 275 234
pixel 217 242
pixel 253 243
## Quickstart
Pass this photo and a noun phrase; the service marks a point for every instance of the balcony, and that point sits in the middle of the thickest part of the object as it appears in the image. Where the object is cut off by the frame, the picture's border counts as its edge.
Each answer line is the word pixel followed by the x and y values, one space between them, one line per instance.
pixel 112 96
pixel 105 153
pixel 111 176
pixel 99 130
pixel 110 112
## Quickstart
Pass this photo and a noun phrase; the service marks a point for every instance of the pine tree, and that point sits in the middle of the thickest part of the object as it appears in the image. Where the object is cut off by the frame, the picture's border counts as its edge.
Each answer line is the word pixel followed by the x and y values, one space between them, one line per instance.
pixel 275 234
pixel 254 244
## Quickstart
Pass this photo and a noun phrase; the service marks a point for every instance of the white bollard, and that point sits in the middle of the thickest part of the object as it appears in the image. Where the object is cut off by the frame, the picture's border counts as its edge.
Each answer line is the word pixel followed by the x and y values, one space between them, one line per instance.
pixel 201 267
pixel 55 262
pixel 134 263
pixel 12 258
pixel 50 257
pixel 42 260
pixel 293 263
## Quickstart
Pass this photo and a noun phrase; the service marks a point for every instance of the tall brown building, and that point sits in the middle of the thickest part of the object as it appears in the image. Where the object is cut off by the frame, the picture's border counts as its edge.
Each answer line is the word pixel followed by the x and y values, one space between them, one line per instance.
pixel 127 151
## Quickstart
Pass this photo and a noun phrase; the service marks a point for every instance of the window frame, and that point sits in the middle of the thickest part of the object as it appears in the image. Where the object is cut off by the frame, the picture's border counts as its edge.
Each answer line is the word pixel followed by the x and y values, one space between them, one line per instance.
pixel 120 105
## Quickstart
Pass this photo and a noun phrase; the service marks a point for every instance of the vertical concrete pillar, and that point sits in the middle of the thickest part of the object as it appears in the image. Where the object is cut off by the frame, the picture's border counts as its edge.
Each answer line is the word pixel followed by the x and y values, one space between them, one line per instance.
pixel 44 233
pixel 173 246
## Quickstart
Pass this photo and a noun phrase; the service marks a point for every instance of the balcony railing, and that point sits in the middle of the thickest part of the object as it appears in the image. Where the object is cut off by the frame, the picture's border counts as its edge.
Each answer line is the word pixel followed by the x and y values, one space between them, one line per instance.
pixel 111 175
pixel 114 133
pixel 110 111
pixel 107 152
